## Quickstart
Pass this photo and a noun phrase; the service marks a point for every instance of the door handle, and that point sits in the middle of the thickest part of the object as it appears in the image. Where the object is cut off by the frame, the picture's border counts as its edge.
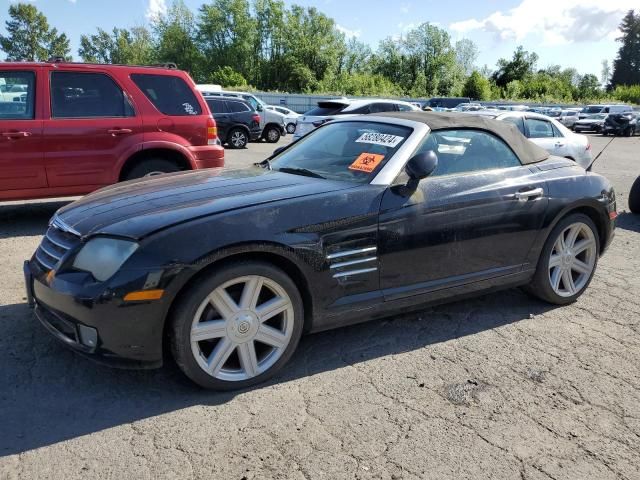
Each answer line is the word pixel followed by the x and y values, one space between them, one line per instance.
pixel 120 131
pixel 559 144
pixel 528 194
pixel 16 134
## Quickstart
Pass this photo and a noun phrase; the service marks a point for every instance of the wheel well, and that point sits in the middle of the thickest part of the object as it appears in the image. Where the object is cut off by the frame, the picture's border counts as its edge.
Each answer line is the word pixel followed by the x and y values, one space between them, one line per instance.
pixel 597 219
pixel 271 124
pixel 139 157
pixel 276 260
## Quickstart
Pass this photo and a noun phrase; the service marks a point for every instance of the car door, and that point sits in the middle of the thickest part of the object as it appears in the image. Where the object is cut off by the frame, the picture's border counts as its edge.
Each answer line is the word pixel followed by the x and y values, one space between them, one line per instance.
pixel 220 114
pixel 21 157
pixel 544 134
pixel 91 125
pixel 474 219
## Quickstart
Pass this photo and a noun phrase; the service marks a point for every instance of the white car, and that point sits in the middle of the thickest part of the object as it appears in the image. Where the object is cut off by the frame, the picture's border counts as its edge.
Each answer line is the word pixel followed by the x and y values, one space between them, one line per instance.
pixel 328 110
pixel 290 117
pixel 549 134
pixel 569 117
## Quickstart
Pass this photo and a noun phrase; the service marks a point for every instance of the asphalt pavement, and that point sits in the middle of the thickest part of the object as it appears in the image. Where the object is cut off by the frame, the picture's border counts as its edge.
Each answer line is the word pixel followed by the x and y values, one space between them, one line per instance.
pixel 499 387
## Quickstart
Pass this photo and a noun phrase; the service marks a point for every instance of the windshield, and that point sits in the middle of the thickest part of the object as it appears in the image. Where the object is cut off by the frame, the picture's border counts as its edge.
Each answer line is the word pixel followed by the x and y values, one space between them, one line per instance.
pixel 349 151
pixel 600 116
pixel 592 109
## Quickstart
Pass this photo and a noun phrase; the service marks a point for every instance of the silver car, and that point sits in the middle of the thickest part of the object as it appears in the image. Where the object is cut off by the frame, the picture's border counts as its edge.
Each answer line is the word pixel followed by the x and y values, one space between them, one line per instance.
pixel 290 117
pixel 549 134
pixel 328 110
pixel 568 118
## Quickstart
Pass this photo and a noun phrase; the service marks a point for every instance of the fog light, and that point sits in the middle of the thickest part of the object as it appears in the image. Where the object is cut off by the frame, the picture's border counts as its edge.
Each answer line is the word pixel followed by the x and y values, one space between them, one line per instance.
pixel 88 336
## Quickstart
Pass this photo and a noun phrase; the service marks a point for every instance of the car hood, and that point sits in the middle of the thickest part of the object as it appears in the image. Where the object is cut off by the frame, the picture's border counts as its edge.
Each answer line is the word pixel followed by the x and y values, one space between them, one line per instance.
pixel 139 208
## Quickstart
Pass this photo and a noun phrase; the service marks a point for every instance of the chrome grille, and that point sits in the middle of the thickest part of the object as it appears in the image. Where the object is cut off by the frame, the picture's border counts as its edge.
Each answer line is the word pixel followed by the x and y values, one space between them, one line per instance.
pixel 55 244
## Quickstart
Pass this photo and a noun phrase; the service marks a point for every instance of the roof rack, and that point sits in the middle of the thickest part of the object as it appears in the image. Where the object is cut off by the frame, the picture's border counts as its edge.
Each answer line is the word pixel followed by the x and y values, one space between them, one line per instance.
pixel 169 65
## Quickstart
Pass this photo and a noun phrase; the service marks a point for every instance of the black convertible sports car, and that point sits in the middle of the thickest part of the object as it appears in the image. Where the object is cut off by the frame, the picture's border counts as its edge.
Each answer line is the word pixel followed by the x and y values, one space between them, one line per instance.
pixel 362 218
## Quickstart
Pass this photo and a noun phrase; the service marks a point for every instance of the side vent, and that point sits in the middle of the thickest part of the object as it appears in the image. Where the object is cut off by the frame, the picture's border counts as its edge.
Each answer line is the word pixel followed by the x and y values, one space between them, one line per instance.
pixel 353 262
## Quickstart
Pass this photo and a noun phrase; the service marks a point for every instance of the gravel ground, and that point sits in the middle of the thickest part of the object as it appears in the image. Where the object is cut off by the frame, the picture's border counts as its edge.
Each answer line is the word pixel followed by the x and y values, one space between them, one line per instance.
pixel 500 387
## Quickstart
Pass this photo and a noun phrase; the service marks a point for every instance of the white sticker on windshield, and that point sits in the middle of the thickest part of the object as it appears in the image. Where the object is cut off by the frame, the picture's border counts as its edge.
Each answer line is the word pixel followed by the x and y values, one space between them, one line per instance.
pixel 383 139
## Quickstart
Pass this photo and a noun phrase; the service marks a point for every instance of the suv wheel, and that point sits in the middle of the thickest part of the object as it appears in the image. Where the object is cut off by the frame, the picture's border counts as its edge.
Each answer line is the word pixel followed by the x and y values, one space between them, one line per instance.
pixel 272 134
pixel 568 261
pixel 237 327
pixel 291 128
pixel 152 167
pixel 237 138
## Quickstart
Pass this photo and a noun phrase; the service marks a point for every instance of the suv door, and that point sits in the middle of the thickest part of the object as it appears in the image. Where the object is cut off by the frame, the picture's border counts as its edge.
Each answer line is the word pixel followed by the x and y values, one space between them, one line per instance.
pixel 544 134
pixel 21 157
pixel 473 219
pixel 220 114
pixel 91 126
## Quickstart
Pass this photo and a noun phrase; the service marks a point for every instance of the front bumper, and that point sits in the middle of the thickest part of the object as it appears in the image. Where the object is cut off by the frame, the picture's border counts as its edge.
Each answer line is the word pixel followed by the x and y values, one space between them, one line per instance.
pixel 207 156
pixel 97 323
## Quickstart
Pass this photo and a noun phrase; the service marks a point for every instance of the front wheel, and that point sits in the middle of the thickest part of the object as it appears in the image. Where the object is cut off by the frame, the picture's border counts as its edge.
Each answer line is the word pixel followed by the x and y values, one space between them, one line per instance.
pixel 237 327
pixel 568 261
pixel 291 128
pixel 272 134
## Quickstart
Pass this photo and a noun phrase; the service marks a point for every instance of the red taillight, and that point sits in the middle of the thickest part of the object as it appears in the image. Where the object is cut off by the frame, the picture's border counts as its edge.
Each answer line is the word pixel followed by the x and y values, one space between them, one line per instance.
pixel 212 131
pixel 256 118
pixel 588 147
pixel 613 215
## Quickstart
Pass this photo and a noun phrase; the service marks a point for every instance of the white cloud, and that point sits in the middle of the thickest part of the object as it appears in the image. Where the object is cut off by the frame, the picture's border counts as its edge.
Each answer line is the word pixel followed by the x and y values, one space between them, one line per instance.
pixel 156 9
pixel 557 22
pixel 349 33
pixel 405 7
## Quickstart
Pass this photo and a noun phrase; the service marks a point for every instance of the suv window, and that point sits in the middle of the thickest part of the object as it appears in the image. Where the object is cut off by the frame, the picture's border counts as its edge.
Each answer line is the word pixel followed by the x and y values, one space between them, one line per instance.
pixel 87 95
pixel 169 94
pixel 17 106
pixel 217 105
pixel 235 107
pixel 539 128
pixel 461 151
pixel 404 108
pixel 324 109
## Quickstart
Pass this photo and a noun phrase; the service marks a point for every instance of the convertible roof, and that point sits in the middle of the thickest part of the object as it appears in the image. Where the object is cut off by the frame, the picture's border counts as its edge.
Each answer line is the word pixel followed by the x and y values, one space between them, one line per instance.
pixel 528 152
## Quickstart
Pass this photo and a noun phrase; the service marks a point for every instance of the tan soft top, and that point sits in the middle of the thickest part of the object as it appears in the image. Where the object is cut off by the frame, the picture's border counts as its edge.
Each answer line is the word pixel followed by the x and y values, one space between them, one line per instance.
pixel 528 152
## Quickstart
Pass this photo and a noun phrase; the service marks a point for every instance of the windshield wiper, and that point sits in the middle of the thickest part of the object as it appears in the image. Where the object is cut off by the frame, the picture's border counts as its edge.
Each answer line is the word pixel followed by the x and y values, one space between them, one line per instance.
pixel 300 171
pixel 266 163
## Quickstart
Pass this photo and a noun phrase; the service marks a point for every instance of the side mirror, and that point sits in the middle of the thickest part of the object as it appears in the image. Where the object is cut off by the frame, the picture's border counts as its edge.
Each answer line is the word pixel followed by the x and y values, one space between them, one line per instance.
pixel 277 151
pixel 259 108
pixel 422 165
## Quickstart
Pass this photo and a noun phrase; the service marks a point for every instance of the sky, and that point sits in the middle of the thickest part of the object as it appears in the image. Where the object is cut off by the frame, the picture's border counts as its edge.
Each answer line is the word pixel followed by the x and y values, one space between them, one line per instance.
pixel 570 33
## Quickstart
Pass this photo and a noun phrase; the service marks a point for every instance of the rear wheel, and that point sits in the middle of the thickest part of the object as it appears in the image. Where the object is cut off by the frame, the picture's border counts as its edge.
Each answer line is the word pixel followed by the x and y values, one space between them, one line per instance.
pixel 634 197
pixel 271 134
pixel 291 128
pixel 238 327
pixel 568 261
pixel 151 167
pixel 238 138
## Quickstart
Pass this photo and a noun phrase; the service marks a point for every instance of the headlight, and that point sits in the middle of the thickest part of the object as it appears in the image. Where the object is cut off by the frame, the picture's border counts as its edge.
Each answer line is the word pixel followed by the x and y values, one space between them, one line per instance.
pixel 102 257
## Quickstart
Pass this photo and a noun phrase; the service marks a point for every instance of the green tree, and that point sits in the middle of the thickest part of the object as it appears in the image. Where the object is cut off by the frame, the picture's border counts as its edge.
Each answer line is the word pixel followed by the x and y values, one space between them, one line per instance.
pixel 227 77
pixel 476 87
pixel 466 55
pixel 589 87
pixel 121 46
pixel 522 64
pixel 626 66
pixel 175 40
pixel 29 36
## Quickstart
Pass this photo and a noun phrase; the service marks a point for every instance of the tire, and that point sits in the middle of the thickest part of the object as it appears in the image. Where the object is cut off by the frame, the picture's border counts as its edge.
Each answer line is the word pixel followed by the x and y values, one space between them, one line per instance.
pixel 238 340
pixel 627 132
pixel 237 138
pixel 604 133
pixel 151 167
pixel 271 134
pixel 291 128
pixel 542 284
pixel 634 197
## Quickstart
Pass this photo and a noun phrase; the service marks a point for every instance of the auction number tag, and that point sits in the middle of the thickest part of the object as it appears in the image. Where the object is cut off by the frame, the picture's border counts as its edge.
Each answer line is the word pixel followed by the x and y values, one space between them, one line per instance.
pixel 366 162
pixel 384 139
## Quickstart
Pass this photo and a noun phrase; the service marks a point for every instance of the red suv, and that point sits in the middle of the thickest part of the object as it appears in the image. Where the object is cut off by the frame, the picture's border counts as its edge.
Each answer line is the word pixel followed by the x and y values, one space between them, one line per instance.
pixel 70 128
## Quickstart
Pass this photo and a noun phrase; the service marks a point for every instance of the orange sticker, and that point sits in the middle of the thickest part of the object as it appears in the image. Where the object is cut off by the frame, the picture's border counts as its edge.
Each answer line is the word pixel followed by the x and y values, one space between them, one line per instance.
pixel 366 162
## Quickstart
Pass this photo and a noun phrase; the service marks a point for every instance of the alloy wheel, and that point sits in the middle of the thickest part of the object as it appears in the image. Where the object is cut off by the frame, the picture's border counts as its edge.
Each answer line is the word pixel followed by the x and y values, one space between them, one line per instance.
pixel 238 139
pixel 242 328
pixel 572 259
pixel 272 135
pixel 291 128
